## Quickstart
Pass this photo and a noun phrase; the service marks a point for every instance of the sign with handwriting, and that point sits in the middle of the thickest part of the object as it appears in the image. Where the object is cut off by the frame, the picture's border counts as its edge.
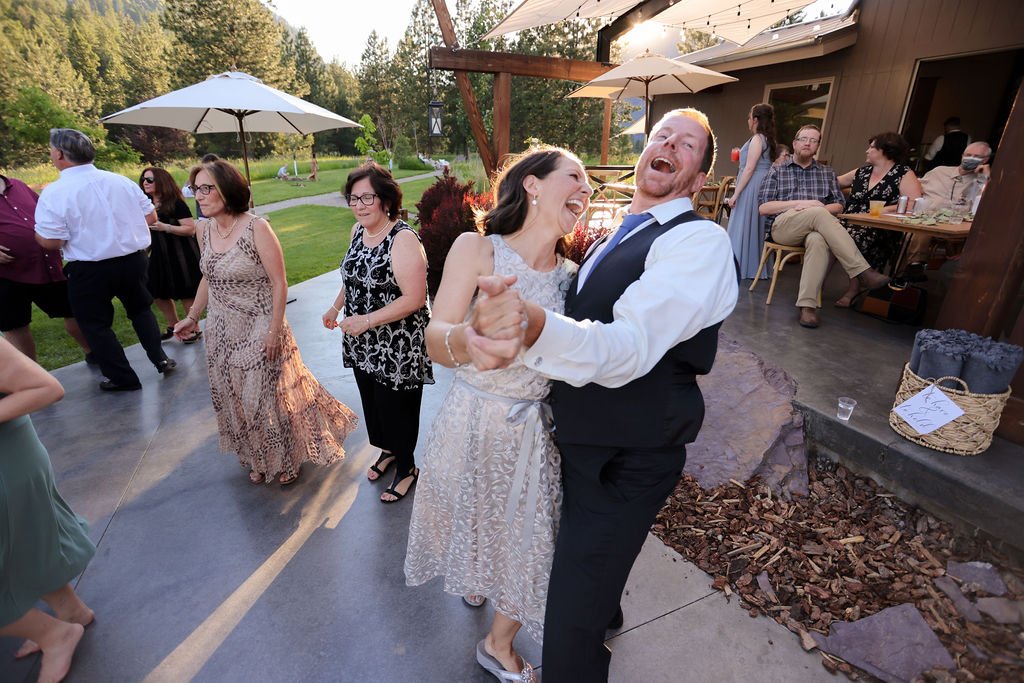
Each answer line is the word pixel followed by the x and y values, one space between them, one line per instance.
pixel 928 409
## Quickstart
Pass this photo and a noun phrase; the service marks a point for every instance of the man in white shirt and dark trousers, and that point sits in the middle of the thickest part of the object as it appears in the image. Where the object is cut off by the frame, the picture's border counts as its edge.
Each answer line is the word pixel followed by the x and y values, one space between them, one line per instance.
pixel 641 322
pixel 101 222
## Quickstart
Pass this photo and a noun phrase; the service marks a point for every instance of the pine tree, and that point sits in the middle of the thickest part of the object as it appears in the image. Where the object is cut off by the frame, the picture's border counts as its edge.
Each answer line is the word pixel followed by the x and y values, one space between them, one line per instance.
pixel 378 96
pixel 213 37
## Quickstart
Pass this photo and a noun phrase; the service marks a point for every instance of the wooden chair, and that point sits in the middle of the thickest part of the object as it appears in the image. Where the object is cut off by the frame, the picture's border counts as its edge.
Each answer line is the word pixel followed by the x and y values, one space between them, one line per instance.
pixel 705 202
pixel 724 188
pixel 782 253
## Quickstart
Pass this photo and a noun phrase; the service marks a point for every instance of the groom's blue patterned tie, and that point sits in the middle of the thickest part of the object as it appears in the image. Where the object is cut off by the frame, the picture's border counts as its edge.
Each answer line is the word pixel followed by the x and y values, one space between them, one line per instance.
pixel 628 225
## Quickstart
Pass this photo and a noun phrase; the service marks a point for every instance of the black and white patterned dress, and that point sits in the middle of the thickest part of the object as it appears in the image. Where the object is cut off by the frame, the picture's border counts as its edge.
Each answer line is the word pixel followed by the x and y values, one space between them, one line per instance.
pixel 879 247
pixel 394 354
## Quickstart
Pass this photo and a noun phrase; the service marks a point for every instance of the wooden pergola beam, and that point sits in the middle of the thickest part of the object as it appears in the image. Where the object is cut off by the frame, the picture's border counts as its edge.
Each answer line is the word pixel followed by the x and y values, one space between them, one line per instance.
pixel 501 115
pixel 504 65
pixel 483 61
pixel 476 120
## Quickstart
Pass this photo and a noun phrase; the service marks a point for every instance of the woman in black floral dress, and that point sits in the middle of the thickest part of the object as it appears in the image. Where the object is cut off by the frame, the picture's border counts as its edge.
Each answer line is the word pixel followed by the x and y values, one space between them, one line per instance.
pixel 384 299
pixel 884 178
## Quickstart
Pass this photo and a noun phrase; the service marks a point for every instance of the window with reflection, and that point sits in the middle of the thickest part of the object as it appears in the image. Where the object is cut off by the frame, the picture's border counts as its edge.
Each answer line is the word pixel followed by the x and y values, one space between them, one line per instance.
pixel 799 104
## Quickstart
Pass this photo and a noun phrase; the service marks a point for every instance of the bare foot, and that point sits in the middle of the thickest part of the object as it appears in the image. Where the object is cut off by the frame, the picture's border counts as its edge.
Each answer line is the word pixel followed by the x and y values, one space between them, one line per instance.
pixel 27 648
pixel 67 606
pixel 846 300
pixel 57 656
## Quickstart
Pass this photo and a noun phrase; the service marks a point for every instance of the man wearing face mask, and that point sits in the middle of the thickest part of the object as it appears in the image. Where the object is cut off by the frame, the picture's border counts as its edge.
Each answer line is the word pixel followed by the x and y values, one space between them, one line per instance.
pixel 943 182
pixel 943 186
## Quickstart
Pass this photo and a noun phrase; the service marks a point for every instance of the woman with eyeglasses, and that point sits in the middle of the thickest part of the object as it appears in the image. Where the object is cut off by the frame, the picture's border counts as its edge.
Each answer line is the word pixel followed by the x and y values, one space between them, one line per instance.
pixel 174 256
pixel 384 299
pixel 270 409
pixel 885 177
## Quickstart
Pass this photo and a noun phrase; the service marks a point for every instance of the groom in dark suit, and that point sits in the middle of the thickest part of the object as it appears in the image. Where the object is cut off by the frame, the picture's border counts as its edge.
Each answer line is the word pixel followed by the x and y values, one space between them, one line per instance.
pixel 641 322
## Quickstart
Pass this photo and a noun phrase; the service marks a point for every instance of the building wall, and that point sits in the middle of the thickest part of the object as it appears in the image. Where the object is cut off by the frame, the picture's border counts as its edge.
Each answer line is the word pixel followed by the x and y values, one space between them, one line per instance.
pixel 873 78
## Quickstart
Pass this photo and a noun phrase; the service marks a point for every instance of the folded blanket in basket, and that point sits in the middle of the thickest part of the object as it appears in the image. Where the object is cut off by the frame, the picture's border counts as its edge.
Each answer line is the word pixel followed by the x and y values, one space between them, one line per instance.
pixel 990 367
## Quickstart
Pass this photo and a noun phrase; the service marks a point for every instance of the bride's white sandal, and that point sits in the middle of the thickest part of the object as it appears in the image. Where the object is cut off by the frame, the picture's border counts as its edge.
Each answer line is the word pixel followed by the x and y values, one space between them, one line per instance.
pixel 492 665
pixel 474 600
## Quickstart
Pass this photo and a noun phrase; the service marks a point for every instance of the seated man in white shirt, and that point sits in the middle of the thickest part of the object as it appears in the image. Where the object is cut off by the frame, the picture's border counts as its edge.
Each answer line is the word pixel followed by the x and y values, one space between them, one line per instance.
pixel 641 322
pixel 944 187
pixel 101 222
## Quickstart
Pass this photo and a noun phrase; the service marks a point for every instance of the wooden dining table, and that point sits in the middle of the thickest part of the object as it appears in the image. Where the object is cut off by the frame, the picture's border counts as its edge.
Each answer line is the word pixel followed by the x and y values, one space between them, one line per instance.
pixel 899 222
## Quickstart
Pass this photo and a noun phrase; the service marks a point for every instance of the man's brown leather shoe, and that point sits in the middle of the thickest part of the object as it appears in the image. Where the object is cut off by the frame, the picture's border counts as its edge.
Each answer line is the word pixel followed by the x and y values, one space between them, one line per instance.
pixel 809 317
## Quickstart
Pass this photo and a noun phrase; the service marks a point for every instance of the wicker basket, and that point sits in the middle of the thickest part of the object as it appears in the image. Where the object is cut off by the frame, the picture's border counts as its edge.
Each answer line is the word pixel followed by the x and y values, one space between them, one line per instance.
pixel 969 434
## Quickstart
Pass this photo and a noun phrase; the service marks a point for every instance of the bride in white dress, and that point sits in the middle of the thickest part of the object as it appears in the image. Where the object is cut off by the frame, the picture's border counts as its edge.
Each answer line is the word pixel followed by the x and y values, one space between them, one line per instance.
pixel 486 511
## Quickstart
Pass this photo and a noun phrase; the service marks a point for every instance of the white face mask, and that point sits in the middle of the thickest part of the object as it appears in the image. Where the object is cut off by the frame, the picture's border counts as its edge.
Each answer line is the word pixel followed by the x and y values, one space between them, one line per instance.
pixel 971 163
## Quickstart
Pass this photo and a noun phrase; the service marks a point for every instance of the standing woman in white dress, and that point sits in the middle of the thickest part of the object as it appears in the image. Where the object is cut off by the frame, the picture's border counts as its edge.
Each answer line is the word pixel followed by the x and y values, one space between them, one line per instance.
pixel 746 225
pixel 486 513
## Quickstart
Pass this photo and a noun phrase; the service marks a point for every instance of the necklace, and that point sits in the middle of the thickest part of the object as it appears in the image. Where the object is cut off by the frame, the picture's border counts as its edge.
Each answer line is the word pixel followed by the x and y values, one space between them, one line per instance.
pixel 377 231
pixel 224 235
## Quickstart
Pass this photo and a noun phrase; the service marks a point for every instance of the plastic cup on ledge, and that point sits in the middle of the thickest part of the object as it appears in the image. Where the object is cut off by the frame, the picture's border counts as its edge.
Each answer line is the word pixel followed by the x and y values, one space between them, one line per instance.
pixel 735 154
pixel 845 409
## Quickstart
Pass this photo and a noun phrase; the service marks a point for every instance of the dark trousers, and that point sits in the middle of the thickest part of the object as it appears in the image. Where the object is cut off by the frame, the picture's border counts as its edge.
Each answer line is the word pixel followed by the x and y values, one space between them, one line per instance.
pixel 392 418
pixel 611 497
pixel 92 286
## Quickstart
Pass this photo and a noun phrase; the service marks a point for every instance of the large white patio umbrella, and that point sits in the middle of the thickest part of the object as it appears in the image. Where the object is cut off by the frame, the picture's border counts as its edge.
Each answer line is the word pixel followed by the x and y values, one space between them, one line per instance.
pixel 735 20
pixel 649 75
pixel 638 127
pixel 232 102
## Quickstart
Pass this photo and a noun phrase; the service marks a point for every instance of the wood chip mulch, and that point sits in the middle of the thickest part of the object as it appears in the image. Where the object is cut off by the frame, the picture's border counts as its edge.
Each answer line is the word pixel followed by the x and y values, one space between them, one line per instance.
pixel 847 551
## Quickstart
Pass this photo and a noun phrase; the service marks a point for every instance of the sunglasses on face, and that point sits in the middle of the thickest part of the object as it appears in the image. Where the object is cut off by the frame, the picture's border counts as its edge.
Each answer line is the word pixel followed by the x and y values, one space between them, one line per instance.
pixel 148 180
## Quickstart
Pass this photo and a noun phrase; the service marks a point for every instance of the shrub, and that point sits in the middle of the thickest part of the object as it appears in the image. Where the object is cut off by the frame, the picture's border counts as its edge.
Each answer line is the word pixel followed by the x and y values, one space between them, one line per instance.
pixel 581 239
pixel 413 164
pixel 403 147
pixel 445 211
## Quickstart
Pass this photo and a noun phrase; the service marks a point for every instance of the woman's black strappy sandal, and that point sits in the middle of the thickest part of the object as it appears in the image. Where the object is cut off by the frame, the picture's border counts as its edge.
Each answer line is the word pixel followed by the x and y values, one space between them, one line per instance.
pixel 377 467
pixel 414 473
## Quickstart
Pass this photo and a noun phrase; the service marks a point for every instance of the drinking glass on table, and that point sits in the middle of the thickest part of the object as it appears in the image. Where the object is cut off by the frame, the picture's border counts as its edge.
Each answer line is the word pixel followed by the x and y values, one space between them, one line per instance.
pixel 875 207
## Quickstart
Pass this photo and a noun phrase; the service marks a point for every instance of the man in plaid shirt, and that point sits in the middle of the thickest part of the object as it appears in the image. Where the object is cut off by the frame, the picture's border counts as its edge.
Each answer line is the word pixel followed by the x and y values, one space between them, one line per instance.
pixel 801 199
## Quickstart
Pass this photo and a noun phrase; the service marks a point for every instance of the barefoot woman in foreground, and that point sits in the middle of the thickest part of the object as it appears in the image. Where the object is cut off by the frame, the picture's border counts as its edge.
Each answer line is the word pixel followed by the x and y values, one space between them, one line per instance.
pixel 43 544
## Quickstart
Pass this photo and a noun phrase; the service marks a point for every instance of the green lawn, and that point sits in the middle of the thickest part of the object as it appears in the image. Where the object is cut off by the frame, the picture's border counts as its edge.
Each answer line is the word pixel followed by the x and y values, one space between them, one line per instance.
pixel 314 238
pixel 273 190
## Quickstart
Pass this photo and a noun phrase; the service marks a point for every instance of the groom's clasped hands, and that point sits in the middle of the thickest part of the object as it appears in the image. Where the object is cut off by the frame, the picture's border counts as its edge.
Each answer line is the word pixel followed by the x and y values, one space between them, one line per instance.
pixel 497 323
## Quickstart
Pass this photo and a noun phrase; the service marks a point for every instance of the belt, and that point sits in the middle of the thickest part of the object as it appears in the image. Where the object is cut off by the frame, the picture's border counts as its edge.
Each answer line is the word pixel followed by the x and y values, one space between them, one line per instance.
pixel 536 418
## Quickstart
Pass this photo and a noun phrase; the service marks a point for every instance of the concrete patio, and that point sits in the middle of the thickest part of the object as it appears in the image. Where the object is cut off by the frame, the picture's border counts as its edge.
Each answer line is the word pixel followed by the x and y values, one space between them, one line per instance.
pixel 200 575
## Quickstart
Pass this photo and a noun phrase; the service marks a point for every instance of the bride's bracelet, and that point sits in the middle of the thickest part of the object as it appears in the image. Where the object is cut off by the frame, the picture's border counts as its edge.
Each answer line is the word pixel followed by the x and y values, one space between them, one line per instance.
pixel 448 345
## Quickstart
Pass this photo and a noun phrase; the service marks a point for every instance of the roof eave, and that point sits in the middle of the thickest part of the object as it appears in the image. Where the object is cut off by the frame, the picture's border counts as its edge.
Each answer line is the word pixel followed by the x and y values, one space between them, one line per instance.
pixel 808 48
